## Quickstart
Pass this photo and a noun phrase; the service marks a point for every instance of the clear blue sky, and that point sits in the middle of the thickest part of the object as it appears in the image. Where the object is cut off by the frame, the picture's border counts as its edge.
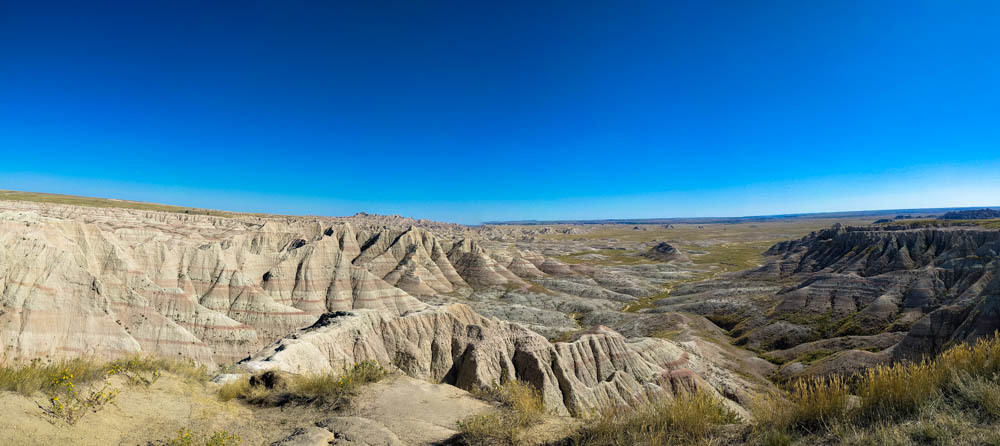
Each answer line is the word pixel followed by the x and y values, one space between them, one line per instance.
pixel 468 111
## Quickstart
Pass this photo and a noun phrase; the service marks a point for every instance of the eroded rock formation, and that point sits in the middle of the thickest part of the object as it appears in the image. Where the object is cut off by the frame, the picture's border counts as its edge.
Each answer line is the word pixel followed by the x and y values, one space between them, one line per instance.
pixel 857 287
pixel 453 344
pixel 77 280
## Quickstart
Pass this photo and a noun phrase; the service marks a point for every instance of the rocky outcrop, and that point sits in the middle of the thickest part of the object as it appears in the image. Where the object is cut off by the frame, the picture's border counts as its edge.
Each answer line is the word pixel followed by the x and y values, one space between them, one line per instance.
pixel 664 252
pixel 927 286
pixel 77 280
pixel 940 285
pixel 974 214
pixel 453 344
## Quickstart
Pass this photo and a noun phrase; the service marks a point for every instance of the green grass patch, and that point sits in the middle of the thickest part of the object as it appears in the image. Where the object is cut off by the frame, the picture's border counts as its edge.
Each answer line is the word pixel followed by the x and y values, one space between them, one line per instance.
pixel 609 257
pixel 718 259
pixel 730 257
pixel 813 356
pixel 667 334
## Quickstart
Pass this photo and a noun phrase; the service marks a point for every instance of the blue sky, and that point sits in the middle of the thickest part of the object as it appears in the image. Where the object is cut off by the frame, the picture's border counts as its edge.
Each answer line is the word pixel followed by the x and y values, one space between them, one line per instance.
pixel 464 111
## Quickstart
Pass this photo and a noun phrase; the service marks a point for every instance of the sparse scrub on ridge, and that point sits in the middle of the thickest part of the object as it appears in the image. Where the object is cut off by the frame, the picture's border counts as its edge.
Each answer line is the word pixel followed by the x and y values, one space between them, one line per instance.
pixel 521 407
pixel 331 389
pixel 688 418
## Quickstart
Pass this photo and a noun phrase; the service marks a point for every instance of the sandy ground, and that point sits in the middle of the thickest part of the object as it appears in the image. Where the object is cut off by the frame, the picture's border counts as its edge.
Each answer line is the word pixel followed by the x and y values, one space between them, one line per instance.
pixel 417 412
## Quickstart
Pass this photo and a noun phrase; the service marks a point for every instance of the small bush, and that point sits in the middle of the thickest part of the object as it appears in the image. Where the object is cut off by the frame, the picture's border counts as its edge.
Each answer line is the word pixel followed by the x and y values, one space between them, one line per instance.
pixel 68 404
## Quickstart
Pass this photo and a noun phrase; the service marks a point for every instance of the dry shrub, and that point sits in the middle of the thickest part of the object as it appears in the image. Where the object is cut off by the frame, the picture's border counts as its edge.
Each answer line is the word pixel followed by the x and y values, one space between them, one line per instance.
pixel 69 404
pixel 238 388
pixel 136 368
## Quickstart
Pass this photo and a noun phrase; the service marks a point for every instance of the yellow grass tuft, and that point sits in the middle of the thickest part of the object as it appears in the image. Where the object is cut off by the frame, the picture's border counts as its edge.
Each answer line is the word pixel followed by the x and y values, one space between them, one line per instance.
pixel 688 418
pixel 333 389
pixel 809 404
pixel 521 407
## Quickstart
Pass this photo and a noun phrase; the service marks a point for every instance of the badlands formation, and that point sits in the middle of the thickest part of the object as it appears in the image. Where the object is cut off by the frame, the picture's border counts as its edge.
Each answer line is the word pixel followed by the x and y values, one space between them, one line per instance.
pixel 592 316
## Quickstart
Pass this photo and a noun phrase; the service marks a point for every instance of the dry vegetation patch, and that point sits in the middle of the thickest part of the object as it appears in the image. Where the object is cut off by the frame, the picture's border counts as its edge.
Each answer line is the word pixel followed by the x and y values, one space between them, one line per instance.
pixel 327 389
pixel 520 408
pixel 964 379
pixel 688 418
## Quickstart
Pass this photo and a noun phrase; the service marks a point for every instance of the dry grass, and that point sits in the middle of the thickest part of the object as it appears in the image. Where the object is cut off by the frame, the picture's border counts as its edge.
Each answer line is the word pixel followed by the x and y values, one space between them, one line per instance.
pixel 521 407
pixel 327 389
pixel 72 386
pixel 898 390
pixel 239 388
pixel 40 376
pixel 809 404
pixel 961 385
pixel 337 388
pixel 689 418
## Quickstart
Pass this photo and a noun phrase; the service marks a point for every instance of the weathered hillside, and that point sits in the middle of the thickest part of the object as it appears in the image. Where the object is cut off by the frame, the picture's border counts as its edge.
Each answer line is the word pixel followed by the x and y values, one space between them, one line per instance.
pixel 77 280
pixel 854 288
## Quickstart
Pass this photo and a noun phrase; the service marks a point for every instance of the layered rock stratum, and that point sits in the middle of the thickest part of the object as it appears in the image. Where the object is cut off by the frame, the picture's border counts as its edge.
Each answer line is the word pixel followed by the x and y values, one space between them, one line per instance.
pixel 876 293
pixel 78 280
pixel 306 294
pixel 453 344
